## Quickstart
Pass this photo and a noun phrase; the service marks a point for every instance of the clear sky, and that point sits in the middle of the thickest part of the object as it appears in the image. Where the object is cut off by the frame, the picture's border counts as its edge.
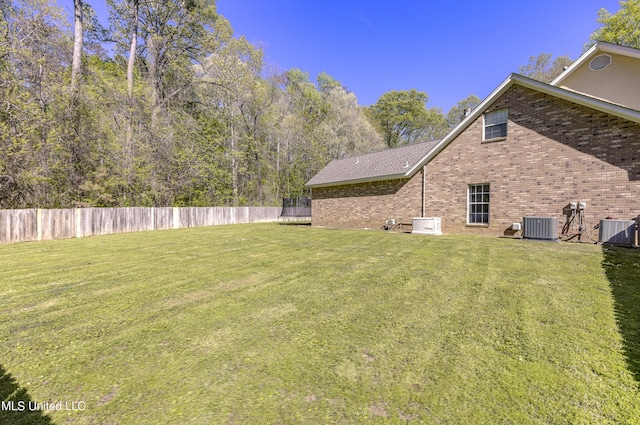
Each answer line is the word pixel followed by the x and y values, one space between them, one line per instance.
pixel 447 49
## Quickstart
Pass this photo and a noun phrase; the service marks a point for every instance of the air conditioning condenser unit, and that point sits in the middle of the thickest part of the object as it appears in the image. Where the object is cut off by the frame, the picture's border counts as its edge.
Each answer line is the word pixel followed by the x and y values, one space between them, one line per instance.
pixel 617 232
pixel 540 228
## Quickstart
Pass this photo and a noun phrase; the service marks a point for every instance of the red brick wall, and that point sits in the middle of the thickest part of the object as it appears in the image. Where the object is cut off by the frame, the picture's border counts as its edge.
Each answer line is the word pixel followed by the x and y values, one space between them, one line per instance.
pixel 555 152
pixel 367 205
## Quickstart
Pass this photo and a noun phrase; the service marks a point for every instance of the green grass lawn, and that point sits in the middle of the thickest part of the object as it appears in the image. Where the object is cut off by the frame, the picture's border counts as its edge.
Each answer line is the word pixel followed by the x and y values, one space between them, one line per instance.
pixel 255 324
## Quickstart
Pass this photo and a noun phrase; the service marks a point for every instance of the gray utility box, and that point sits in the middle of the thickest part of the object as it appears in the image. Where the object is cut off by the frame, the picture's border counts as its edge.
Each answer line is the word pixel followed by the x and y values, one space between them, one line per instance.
pixel 617 232
pixel 540 228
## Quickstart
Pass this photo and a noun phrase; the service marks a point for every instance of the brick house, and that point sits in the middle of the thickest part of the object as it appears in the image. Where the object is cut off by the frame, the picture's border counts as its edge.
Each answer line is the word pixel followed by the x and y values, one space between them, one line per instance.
pixel 529 149
pixel 366 190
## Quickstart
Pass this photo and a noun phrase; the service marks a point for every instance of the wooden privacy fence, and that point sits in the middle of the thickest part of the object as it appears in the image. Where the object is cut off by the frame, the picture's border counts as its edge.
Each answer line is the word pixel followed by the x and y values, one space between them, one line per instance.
pixel 44 224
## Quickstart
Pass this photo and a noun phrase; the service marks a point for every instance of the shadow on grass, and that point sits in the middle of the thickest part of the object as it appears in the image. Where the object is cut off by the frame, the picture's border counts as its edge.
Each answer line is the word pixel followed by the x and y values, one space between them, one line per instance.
pixel 622 266
pixel 295 223
pixel 16 404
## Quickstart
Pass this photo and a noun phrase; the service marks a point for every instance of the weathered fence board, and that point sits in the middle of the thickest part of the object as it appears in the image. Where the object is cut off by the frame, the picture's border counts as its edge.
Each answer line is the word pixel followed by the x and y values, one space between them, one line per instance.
pixel 41 224
pixel 18 225
pixel 163 218
pixel 57 224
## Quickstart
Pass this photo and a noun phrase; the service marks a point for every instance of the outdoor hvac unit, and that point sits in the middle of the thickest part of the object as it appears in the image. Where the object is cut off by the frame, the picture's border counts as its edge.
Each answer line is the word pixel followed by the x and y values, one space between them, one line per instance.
pixel 540 228
pixel 617 232
pixel 427 225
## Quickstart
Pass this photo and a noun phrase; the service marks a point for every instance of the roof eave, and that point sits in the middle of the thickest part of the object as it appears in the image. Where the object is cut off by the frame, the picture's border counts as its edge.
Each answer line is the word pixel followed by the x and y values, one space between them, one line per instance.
pixel 358 181
pixel 462 125
pixel 575 97
pixel 584 100
pixel 599 47
pixel 576 64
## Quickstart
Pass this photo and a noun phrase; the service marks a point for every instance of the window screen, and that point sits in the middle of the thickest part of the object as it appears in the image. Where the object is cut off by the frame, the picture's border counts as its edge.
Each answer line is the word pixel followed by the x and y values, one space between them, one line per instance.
pixel 495 124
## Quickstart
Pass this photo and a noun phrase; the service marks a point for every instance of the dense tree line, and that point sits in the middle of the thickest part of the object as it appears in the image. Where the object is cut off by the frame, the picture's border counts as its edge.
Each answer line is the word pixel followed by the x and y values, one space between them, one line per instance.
pixel 165 106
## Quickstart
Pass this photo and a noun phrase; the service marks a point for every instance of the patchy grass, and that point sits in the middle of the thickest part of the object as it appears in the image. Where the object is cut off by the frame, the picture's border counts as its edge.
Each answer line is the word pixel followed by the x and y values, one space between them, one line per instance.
pixel 289 324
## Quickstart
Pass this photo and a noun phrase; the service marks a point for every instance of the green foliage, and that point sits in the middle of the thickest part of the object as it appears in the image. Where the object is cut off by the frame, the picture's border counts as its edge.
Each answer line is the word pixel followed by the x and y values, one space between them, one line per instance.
pixel 622 27
pixel 326 83
pixel 34 148
pixel 402 117
pixel 202 165
pixel 306 98
pixel 434 125
pixel 456 113
pixel 541 67
pixel 204 124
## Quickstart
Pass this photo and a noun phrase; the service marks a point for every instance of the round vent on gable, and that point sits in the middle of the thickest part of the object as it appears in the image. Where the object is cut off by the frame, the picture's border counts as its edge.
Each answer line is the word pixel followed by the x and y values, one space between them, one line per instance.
pixel 600 62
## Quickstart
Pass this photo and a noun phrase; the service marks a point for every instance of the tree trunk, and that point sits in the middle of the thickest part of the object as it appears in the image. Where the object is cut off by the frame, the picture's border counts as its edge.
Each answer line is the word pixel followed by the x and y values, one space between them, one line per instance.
pixel 234 164
pixel 278 177
pixel 78 35
pixel 128 143
pixel 132 50
pixel 154 78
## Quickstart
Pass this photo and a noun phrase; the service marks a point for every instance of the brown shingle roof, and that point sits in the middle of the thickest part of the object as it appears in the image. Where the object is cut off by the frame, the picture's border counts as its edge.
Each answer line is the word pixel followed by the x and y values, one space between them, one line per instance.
pixel 381 165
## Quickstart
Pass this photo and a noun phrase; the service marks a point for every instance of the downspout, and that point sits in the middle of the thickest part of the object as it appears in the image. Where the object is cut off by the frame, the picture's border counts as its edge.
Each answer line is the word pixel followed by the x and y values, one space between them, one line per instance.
pixel 424 189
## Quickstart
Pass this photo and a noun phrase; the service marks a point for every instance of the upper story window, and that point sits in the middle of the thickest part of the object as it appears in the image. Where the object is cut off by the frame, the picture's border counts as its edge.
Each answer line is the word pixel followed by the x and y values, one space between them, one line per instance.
pixel 495 124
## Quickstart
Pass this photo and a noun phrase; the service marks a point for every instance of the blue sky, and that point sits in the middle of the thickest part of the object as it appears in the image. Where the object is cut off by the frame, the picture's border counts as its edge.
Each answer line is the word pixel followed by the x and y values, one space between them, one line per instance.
pixel 447 49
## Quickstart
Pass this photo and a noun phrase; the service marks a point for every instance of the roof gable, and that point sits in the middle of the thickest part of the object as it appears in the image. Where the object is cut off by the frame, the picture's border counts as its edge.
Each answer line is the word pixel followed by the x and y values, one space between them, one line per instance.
pixel 382 165
pixel 571 96
pixel 605 71
pixel 405 161
pixel 600 47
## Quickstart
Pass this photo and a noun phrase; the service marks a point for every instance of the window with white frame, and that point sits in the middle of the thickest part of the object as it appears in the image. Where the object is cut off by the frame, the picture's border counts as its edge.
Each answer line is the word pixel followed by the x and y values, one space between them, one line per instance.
pixel 478 204
pixel 495 124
